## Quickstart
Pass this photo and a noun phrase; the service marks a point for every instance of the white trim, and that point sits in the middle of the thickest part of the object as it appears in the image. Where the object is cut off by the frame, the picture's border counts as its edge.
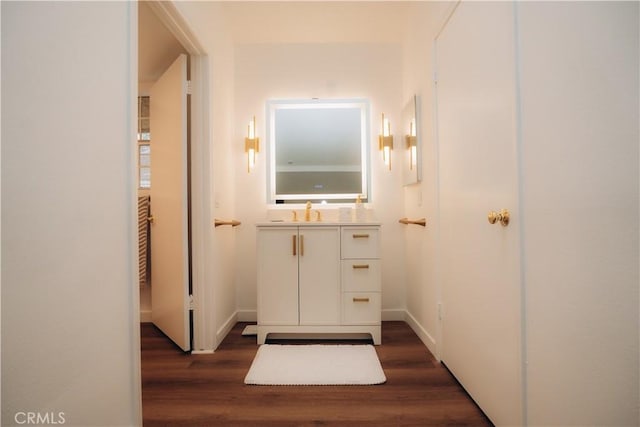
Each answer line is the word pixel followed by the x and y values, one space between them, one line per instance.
pixel 134 288
pixel 422 333
pixel 200 202
pixel 226 327
pixel 204 309
pixel 394 314
pixel 176 24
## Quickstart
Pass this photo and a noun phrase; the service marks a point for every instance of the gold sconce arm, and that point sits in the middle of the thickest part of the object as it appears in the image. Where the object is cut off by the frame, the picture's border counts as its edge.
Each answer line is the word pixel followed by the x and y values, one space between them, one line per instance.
pixel 219 222
pixel 421 221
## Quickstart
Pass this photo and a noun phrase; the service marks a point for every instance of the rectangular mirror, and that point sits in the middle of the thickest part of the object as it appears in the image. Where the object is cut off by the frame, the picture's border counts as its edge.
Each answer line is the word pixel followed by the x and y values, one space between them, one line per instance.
pixel 317 150
pixel 411 145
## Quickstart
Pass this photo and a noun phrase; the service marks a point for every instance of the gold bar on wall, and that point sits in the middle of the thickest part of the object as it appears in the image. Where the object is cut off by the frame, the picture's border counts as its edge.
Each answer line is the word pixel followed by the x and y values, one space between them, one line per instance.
pixel 421 221
pixel 219 222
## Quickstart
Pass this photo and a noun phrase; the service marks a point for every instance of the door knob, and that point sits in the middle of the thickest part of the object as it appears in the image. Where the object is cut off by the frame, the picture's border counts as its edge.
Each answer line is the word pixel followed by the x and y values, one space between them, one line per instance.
pixel 502 216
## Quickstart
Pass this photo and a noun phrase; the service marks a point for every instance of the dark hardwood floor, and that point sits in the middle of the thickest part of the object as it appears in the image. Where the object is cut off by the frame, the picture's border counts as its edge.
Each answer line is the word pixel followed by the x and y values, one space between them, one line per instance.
pixel 208 390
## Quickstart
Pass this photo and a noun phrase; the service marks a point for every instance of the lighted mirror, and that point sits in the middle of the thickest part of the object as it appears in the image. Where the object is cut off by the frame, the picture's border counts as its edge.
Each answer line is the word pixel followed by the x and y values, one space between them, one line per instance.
pixel 410 144
pixel 317 150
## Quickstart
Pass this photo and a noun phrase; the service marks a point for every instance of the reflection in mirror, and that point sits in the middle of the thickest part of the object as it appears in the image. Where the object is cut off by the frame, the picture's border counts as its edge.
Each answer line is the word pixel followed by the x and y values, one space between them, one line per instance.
pixel 412 164
pixel 318 150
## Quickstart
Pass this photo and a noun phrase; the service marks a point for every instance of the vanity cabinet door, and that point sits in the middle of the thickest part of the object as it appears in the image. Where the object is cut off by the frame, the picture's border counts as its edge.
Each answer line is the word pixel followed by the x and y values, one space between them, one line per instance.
pixel 278 276
pixel 319 263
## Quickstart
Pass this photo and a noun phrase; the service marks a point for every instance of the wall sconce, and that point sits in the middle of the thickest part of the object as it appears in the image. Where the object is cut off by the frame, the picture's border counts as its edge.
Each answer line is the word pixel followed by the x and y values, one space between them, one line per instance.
pixel 412 144
pixel 251 145
pixel 386 141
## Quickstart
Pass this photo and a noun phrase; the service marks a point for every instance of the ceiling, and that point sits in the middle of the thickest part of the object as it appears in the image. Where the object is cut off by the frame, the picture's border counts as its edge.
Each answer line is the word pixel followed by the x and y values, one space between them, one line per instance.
pixel 157 48
pixel 317 21
pixel 277 22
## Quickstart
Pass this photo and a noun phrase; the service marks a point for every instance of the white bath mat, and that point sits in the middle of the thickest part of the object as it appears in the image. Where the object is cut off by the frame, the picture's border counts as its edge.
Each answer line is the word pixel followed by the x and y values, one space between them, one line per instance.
pixel 315 364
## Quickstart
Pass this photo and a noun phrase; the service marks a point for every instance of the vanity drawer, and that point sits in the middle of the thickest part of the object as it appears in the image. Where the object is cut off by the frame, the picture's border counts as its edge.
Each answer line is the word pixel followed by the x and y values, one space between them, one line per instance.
pixel 361 308
pixel 361 275
pixel 360 242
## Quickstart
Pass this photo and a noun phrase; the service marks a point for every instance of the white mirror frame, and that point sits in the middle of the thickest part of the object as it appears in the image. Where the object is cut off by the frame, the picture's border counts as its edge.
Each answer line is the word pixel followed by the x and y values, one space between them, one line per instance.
pixel 274 105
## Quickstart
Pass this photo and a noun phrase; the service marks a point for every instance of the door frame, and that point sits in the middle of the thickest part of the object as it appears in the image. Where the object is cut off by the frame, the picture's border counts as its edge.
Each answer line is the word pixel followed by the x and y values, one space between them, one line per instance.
pixel 201 171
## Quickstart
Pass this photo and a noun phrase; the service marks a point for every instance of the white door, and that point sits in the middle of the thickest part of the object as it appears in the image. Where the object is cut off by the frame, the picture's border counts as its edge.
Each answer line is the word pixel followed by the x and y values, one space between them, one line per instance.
pixel 169 205
pixel 481 295
pixel 319 275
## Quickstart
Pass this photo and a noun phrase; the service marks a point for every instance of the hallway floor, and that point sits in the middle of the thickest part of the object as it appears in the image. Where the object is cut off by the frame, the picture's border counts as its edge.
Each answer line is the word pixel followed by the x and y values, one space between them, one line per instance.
pixel 208 390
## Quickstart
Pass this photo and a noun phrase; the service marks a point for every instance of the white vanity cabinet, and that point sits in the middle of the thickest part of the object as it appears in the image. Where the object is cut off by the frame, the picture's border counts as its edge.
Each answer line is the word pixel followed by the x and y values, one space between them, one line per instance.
pixel 318 279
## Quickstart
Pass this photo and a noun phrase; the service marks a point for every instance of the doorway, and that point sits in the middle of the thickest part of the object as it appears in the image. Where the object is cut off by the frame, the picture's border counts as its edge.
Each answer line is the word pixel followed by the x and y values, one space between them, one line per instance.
pixel 163 40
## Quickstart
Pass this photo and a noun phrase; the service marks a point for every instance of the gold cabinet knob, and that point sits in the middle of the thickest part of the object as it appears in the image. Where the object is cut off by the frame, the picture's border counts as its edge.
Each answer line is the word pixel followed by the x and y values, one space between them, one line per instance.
pixel 502 217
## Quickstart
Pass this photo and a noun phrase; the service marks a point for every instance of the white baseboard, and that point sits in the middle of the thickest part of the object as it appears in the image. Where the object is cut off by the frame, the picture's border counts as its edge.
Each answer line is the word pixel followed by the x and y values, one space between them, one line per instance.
pixel 226 327
pixel 424 336
pixel 388 315
pixel 394 314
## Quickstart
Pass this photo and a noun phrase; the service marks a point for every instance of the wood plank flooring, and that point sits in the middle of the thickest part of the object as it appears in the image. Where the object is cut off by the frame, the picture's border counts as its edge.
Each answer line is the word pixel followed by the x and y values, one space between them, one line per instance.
pixel 208 390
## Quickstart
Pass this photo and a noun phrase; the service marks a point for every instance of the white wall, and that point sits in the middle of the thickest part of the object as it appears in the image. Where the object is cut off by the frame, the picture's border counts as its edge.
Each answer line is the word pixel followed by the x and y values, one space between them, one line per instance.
pixel 579 98
pixel 421 200
pixel 324 70
pixel 69 286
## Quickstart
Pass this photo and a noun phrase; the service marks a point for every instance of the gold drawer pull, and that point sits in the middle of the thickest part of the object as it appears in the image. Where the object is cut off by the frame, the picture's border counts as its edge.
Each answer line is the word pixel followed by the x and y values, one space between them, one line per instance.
pixel 360 299
pixel 356 266
pixel 360 236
